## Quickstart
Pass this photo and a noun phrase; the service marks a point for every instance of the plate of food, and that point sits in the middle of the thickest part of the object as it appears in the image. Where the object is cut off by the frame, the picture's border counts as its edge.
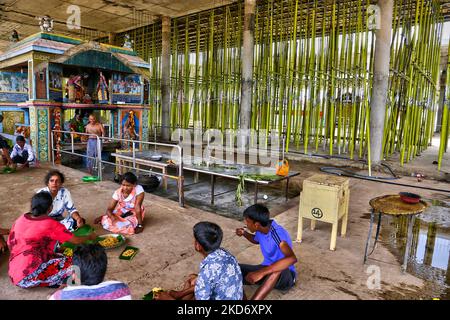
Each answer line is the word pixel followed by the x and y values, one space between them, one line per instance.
pixel 84 231
pixel 111 241
pixel 68 252
pixel 151 294
pixel 128 253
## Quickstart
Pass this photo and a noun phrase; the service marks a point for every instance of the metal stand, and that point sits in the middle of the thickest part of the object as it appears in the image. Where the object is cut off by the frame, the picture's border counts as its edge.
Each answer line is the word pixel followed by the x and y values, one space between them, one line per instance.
pixel 372 215
pixel 213 182
pixel 287 188
pixel 411 219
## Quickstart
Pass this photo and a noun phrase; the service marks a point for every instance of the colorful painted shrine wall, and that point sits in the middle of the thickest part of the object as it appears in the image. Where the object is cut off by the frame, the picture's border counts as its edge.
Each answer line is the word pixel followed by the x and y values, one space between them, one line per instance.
pixel 55 83
pixel 127 88
pixel 13 86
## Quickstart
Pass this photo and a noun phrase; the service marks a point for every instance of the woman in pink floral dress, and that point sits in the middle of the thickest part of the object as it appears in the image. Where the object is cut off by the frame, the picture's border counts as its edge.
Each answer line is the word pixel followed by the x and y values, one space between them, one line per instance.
pixel 125 213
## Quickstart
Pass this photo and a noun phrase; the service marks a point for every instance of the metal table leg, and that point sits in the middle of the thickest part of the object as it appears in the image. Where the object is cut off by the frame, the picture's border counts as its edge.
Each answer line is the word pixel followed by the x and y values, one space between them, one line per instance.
pixel 411 219
pixel 213 181
pixel 256 193
pixel 370 234
pixel 377 233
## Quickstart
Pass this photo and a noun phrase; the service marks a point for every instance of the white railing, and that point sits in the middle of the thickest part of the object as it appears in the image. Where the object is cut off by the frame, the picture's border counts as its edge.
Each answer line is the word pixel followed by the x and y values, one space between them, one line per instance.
pixel 99 162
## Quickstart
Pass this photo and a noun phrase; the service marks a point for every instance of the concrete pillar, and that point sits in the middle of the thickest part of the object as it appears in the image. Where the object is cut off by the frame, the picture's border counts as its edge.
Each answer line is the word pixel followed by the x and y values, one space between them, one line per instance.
pixel 380 80
pixel 165 79
pixel 112 38
pixel 247 64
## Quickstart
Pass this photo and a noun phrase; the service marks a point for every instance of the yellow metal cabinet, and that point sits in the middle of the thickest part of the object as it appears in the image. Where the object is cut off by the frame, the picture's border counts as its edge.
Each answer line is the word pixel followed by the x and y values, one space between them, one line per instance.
pixel 324 198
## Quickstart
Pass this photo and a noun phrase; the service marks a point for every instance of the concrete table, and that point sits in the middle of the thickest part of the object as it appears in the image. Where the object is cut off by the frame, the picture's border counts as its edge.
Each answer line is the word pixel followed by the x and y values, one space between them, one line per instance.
pixel 214 170
pixel 233 171
pixel 394 206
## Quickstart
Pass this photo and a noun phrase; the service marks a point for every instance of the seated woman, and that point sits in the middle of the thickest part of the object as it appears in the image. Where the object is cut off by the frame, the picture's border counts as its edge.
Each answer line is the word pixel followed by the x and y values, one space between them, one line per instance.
pixel 62 201
pixel 125 213
pixel 32 241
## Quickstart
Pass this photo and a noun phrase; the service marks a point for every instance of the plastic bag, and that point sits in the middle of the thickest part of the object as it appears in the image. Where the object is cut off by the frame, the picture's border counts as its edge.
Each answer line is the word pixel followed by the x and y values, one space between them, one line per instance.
pixel 282 168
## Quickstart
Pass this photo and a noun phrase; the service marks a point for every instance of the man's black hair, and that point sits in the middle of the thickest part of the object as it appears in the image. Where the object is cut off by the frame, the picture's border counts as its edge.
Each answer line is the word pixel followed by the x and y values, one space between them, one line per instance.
pixel 1 118
pixel 20 138
pixel 209 235
pixel 40 203
pixel 129 177
pixel 92 261
pixel 52 173
pixel 258 213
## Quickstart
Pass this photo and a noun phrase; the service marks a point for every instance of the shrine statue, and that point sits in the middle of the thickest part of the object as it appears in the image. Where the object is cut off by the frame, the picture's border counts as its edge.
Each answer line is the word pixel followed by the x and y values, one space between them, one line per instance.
pixel 46 23
pixel 102 89
pixel 23 131
pixel 129 129
pixel 76 89
pixel 76 125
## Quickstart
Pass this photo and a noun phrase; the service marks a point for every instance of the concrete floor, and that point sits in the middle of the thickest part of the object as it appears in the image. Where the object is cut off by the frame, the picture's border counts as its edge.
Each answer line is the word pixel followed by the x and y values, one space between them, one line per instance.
pixel 425 163
pixel 166 246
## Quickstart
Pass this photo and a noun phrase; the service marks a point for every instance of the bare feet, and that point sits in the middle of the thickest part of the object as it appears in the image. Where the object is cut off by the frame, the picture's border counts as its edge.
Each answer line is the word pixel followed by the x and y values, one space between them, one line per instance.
pixel 138 229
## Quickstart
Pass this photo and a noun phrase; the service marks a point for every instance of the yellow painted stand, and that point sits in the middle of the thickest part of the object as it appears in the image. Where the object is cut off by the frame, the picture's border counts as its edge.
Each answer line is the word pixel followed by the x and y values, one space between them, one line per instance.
pixel 324 198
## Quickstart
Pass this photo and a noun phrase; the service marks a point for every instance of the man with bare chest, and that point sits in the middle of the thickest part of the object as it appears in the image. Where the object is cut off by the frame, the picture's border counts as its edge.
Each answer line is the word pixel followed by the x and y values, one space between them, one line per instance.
pixel 95 129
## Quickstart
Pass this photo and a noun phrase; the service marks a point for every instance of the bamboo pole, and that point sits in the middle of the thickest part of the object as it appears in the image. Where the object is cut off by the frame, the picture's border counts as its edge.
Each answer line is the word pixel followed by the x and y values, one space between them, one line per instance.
pixel 445 125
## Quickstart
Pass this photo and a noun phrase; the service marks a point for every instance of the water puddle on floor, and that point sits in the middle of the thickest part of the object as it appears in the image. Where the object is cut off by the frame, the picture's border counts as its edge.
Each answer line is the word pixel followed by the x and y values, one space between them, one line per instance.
pixel 429 256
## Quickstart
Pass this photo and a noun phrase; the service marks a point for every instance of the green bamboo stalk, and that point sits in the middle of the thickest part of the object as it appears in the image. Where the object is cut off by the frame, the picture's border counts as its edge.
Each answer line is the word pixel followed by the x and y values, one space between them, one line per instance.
pixel 293 51
pixel 333 79
pixel 210 104
pixel 445 124
pixel 186 116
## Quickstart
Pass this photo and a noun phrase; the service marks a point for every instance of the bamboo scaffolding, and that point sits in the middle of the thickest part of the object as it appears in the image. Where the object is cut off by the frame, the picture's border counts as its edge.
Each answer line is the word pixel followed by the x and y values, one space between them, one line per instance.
pixel 313 63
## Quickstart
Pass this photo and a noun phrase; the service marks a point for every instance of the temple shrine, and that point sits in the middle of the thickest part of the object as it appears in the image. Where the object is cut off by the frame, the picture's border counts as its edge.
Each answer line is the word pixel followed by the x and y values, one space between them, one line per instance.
pixel 53 82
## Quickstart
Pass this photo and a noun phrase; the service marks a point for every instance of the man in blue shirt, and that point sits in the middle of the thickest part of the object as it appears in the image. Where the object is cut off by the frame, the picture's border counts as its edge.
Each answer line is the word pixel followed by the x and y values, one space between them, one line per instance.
pixel 219 278
pixel 277 270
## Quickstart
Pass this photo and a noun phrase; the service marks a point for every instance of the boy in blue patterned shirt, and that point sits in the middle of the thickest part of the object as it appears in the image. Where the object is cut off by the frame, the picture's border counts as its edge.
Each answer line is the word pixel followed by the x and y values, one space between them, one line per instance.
pixel 219 278
pixel 277 270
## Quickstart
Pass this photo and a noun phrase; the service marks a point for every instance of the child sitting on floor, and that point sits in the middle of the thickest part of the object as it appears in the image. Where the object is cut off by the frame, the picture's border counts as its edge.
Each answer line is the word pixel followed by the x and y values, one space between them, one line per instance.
pixel 125 213
pixel 91 262
pixel 219 278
